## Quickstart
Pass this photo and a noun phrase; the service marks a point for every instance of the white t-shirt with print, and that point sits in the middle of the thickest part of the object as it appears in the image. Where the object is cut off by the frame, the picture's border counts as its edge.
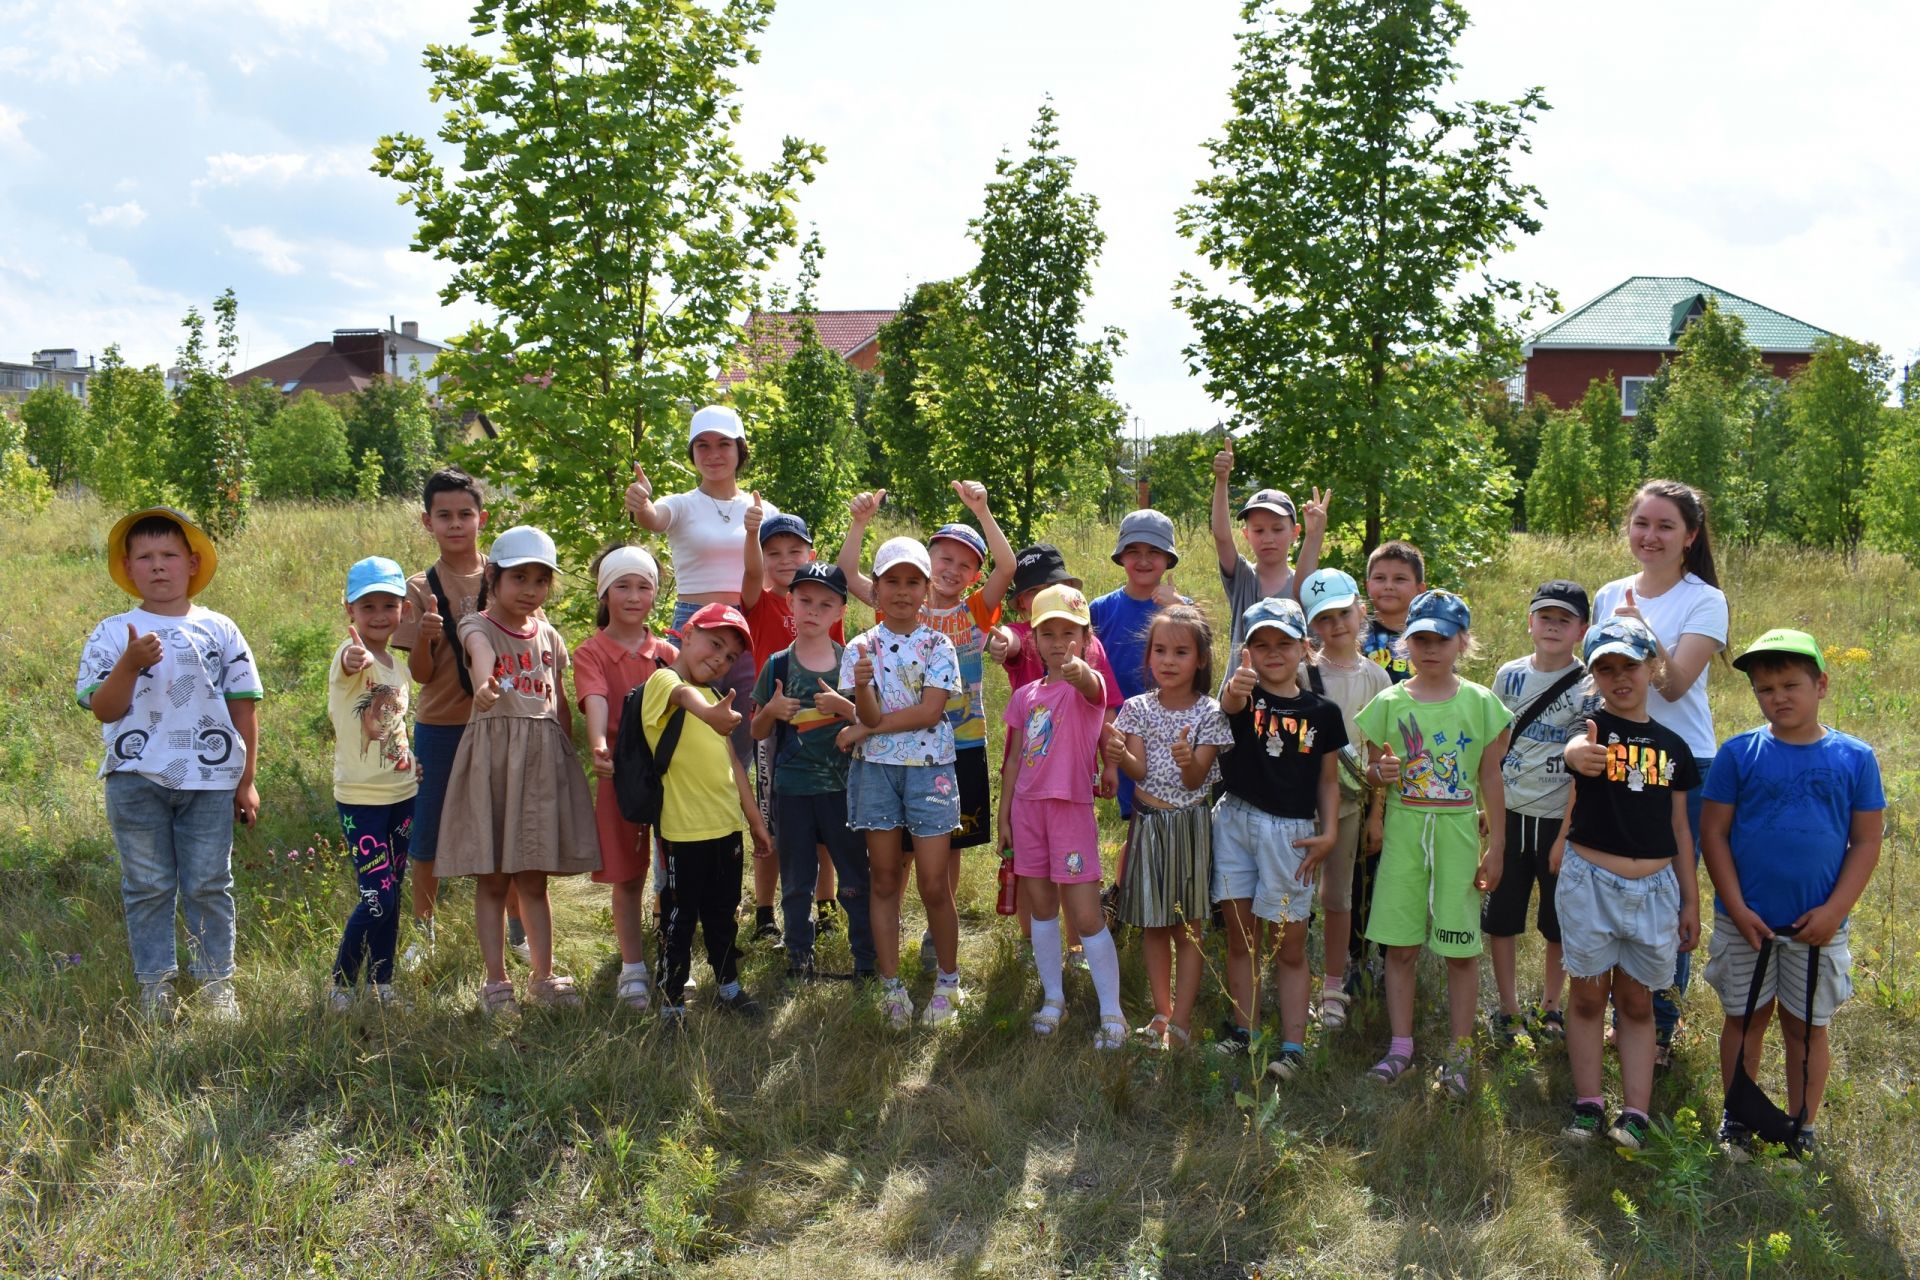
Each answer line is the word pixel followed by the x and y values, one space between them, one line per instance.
pixel 904 667
pixel 177 731
pixel 1688 608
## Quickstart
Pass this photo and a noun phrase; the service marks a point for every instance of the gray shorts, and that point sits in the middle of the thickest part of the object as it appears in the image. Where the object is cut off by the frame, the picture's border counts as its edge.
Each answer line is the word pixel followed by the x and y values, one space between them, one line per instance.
pixel 1730 964
pixel 1254 857
pixel 1608 921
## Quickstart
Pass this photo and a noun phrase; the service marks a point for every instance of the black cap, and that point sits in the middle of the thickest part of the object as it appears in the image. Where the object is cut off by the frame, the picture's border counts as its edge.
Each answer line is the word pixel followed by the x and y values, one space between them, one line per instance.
pixel 1040 565
pixel 1562 594
pixel 821 573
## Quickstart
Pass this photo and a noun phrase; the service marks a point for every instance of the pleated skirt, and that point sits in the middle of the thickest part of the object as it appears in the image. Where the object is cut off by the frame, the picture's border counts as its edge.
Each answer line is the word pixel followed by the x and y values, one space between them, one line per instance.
pixel 1169 873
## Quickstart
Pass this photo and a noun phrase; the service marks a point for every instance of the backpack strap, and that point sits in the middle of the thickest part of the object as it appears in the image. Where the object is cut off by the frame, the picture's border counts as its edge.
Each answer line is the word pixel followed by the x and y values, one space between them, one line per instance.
pixel 441 603
pixel 1316 680
pixel 1540 704
pixel 669 741
pixel 1753 998
pixel 1806 1061
pixel 781 667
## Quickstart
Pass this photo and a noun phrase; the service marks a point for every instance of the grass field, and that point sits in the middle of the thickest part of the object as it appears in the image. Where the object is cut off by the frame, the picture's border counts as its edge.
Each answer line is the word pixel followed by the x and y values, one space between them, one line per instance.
pixel 587 1143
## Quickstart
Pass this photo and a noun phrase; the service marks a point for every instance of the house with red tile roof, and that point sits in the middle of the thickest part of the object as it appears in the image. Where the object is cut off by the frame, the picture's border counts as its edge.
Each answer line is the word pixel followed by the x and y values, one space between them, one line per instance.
pixel 772 336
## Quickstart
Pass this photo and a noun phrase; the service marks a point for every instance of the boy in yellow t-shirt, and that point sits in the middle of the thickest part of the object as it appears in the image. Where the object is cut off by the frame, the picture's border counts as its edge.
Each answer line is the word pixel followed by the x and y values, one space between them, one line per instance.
pixel 705 805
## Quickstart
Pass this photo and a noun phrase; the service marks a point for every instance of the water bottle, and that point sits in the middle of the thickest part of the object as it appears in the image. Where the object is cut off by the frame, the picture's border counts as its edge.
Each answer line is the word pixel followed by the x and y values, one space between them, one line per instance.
pixel 1009 900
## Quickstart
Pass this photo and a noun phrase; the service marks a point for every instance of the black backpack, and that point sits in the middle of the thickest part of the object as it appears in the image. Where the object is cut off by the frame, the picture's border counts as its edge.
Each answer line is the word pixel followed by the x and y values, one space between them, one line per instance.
pixel 640 771
pixel 441 603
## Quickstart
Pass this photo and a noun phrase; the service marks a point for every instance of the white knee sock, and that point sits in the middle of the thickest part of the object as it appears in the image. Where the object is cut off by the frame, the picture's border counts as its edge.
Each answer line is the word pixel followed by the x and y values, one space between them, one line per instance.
pixel 1046 957
pixel 1103 961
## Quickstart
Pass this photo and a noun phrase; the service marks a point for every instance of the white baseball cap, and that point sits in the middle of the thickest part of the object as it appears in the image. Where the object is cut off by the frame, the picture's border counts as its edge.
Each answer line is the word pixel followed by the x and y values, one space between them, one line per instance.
pixel 523 544
pixel 898 550
pixel 718 418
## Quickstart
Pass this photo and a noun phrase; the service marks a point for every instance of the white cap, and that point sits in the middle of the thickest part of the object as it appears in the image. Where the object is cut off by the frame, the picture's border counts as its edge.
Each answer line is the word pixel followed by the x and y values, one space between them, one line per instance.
pixel 901 550
pixel 621 561
pixel 523 544
pixel 719 418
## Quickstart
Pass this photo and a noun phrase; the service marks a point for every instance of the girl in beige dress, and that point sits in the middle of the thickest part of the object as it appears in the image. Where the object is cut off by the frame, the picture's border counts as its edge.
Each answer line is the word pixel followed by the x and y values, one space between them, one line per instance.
pixel 517 807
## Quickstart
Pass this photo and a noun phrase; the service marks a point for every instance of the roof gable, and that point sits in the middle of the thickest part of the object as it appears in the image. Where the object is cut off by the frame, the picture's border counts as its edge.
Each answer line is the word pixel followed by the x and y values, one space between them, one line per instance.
pixel 1649 313
pixel 841 332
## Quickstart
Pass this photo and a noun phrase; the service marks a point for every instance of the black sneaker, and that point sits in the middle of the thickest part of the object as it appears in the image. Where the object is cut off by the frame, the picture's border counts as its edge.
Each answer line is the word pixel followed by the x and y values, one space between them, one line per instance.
pixel 1630 1131
pixel 1548 1024
pixel 1589 1121
pixel 1505 1027
pixel 1288 1064
pixel 1233 1041
pixel 802 971
pixel 1805 1145
pixel 743 1005
pixel 1736 1141
pixel 768 932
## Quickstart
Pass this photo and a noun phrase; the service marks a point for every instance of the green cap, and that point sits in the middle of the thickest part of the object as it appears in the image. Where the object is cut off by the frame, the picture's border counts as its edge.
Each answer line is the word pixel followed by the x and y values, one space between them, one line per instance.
pixel 1783 640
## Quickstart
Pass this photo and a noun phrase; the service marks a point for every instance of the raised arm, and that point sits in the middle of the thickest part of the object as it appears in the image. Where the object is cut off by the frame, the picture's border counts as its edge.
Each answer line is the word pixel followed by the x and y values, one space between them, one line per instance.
pixel 640 503
pixel 1222 522
pixel 973 495
pixel 1313 519
pixel 753 579
pixel 860 513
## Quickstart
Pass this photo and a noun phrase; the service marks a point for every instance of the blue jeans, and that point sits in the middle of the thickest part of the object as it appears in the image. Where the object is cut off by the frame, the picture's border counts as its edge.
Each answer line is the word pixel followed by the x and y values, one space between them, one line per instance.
pixel 804 822
pixel 176 850
pixel 376 837
pixel 739 679
pixel 434 746
pixel 1666 1004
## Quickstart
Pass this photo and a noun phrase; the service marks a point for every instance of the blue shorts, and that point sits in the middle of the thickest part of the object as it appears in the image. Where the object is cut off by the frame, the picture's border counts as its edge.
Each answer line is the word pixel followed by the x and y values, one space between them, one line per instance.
pixel 1254 857
pixel 923 798
pixel 1608 921
pixel 434 746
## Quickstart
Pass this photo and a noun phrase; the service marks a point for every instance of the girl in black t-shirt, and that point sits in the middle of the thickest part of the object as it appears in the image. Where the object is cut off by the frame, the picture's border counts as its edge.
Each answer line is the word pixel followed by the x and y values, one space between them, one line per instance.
pixel 1627 898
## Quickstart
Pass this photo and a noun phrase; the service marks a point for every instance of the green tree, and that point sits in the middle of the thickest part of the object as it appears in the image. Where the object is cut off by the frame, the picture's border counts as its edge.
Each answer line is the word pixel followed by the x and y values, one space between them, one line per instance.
pixel 1354 214
pixel 393 422
pixel 209 435
pixel 1179 472
pixel 1517 430
pixel 1039 240
pixel 601 213
pixel 132 416
pixel 1893 517
pixel 24 488
pixel 57 433
pixel 1835 411
pixel 302 451
pixel 1711 417
pixel 258 401
pixel 1616 472
pixel 902 435
pixel 1561 496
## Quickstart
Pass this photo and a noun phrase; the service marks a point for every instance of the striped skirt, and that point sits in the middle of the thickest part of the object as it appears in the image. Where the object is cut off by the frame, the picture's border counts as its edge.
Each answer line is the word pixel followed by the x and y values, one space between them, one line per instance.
pixel 1169 875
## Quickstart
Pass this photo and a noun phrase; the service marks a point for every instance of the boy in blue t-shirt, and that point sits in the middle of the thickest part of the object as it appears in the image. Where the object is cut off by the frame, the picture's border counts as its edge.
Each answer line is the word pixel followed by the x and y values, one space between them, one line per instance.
pixel 1790 829
pixel 1121 617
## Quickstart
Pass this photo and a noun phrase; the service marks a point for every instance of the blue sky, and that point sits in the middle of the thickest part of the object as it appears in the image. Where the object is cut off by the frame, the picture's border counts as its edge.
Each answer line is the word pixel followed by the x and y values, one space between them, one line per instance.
pixel 153 154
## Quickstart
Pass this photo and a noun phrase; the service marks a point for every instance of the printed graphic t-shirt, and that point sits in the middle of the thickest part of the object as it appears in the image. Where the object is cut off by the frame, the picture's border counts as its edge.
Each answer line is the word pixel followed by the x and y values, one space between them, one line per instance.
pixel 528 664
pixel 1439 744
pixel 1378 646
pixel 372 763
pixel 1534 770
pixel 1628 810
pixel 1793 807
pixel 1158 729
pixel 176 731
pixel 700 800
pixel 1060 752
pixel 904 668
pixel 1275 761
pixel 965 625
pixel 807 761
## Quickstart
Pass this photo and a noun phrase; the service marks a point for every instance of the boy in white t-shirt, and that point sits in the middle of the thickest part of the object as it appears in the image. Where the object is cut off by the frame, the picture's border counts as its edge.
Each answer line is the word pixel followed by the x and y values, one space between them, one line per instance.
pixel 173 687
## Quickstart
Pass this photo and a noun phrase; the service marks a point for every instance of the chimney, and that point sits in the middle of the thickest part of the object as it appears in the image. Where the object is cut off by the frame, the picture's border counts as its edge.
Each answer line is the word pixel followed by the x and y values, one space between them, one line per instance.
pixel 410 329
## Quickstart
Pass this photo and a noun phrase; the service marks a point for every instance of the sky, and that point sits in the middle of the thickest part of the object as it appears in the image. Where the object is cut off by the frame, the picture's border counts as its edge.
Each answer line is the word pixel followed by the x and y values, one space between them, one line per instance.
pixel 153 154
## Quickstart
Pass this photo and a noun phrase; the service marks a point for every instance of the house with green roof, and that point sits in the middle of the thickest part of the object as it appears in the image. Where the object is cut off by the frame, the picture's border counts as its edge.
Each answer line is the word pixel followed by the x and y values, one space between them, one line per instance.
pixel 1627 332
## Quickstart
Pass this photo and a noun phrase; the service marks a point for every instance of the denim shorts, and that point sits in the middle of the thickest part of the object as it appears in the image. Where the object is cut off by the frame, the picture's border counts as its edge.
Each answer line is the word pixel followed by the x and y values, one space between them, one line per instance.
pixel 434 746
pixel 1608 921
pixel 923 798
pixel 1254 857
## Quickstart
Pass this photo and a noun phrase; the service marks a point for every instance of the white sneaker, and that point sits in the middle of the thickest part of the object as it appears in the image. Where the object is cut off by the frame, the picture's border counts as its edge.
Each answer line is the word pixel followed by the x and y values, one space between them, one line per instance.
pixel 524 950
pixel 339 1000
pixel 157 1001
pixel 389 999
pixel 898 1006
pixel 217 1001
pixel 421 949
pixel 946 1002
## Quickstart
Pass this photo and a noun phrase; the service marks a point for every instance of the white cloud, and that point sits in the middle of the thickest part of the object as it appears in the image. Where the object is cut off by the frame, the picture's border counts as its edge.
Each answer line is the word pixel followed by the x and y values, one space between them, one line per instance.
pixel 76 41
pixel 13 140
pixel 128 215
pixel 275 168
pixel 267 248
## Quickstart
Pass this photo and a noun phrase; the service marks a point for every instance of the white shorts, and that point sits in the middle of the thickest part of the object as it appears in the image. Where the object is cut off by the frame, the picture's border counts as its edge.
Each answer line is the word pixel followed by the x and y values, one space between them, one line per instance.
pixel 1254 857
pixel 1608 921
pixel 1730 964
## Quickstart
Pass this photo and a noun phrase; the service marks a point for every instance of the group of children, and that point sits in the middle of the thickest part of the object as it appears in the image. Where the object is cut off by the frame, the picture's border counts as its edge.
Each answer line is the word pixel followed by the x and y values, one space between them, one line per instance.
pixel 1339 765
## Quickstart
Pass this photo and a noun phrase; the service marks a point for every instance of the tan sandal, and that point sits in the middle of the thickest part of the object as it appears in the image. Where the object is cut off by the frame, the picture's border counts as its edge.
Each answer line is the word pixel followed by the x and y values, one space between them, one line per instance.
pixel 1155 1032
pixel 554 993
pixel 1047 1018
pixel 1333 1009
pixel 497 998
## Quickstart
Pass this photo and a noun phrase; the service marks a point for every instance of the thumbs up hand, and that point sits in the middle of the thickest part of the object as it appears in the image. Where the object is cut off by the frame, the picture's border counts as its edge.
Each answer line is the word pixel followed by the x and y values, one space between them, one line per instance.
pixel 354 658
pixel 756 513
pixel 432 625
pixel 142 651
pixel 1244 677
pixel 487 693
pixel 782 706
pixel 1587 755
pixel 1183 747
pixel 720 716
pixel 639 493
pixel 1113 743
pixel 863 668
pixel 1164 594
pixel 1075 669
pixel 972 495
pixel 1223 461
pixel 1386 766
pixel 865 507
pixel 1628 607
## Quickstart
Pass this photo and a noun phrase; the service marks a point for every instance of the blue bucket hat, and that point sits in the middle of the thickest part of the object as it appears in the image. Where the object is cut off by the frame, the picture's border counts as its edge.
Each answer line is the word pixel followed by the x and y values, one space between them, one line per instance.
pixel 375 573
pixel 1327 589
pixel 1275 611
pixel 1441 612
pixel 785 522
pixel 1628 637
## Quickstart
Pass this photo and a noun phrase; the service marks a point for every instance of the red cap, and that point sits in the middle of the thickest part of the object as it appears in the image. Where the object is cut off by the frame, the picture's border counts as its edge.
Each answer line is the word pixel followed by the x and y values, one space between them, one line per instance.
pixel 712 617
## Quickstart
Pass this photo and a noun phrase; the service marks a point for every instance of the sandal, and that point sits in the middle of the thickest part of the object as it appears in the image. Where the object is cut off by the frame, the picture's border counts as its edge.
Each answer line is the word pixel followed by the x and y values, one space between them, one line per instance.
pixel 634 993
pixel 1112 1034
pixel 1177 1032
pixel 497 998
pixel 1333 1009
pixel 1047 1018
pixel 1550 1025
pixel 554 993
pixel 1389 1068
pixel 1451 1076
pixel 1155 1032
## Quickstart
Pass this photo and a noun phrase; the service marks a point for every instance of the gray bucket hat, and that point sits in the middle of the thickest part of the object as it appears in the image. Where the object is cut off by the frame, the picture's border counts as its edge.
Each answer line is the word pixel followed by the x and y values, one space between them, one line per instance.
pixel 1150 527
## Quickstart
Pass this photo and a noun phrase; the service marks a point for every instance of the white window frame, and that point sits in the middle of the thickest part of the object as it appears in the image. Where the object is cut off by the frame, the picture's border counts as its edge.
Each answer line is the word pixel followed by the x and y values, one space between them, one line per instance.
pixel 1630 408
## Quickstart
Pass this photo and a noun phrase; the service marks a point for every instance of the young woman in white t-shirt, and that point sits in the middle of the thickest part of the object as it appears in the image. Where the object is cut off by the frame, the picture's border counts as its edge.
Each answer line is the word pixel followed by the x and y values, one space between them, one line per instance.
pixel 1677 594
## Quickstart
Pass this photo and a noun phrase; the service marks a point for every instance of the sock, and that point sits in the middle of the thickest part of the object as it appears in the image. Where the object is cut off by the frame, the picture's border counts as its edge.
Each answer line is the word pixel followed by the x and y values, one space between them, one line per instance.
pixel 1334 984
pixel 1103 962
pixel 1046 958
pixel 762 915
pixel 895 983
pixel 947 979
pixel 638 969
pixel 1596 1100
pixel 1294 1047
pixel 1402 1045
pixel 1634 1111
pixel 728 990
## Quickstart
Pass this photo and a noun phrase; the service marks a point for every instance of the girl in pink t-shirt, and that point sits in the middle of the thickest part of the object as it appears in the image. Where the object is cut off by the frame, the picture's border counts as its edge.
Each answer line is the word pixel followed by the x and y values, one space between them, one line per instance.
pixel 1054 729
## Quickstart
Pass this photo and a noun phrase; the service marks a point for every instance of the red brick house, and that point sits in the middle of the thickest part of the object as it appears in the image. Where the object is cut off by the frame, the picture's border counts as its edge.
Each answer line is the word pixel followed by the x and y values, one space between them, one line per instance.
pixel 1626 332
pixel 774 335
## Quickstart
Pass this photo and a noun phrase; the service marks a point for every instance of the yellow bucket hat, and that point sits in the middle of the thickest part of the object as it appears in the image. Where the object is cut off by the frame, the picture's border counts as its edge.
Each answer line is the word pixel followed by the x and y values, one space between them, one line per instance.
pixel 197 542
